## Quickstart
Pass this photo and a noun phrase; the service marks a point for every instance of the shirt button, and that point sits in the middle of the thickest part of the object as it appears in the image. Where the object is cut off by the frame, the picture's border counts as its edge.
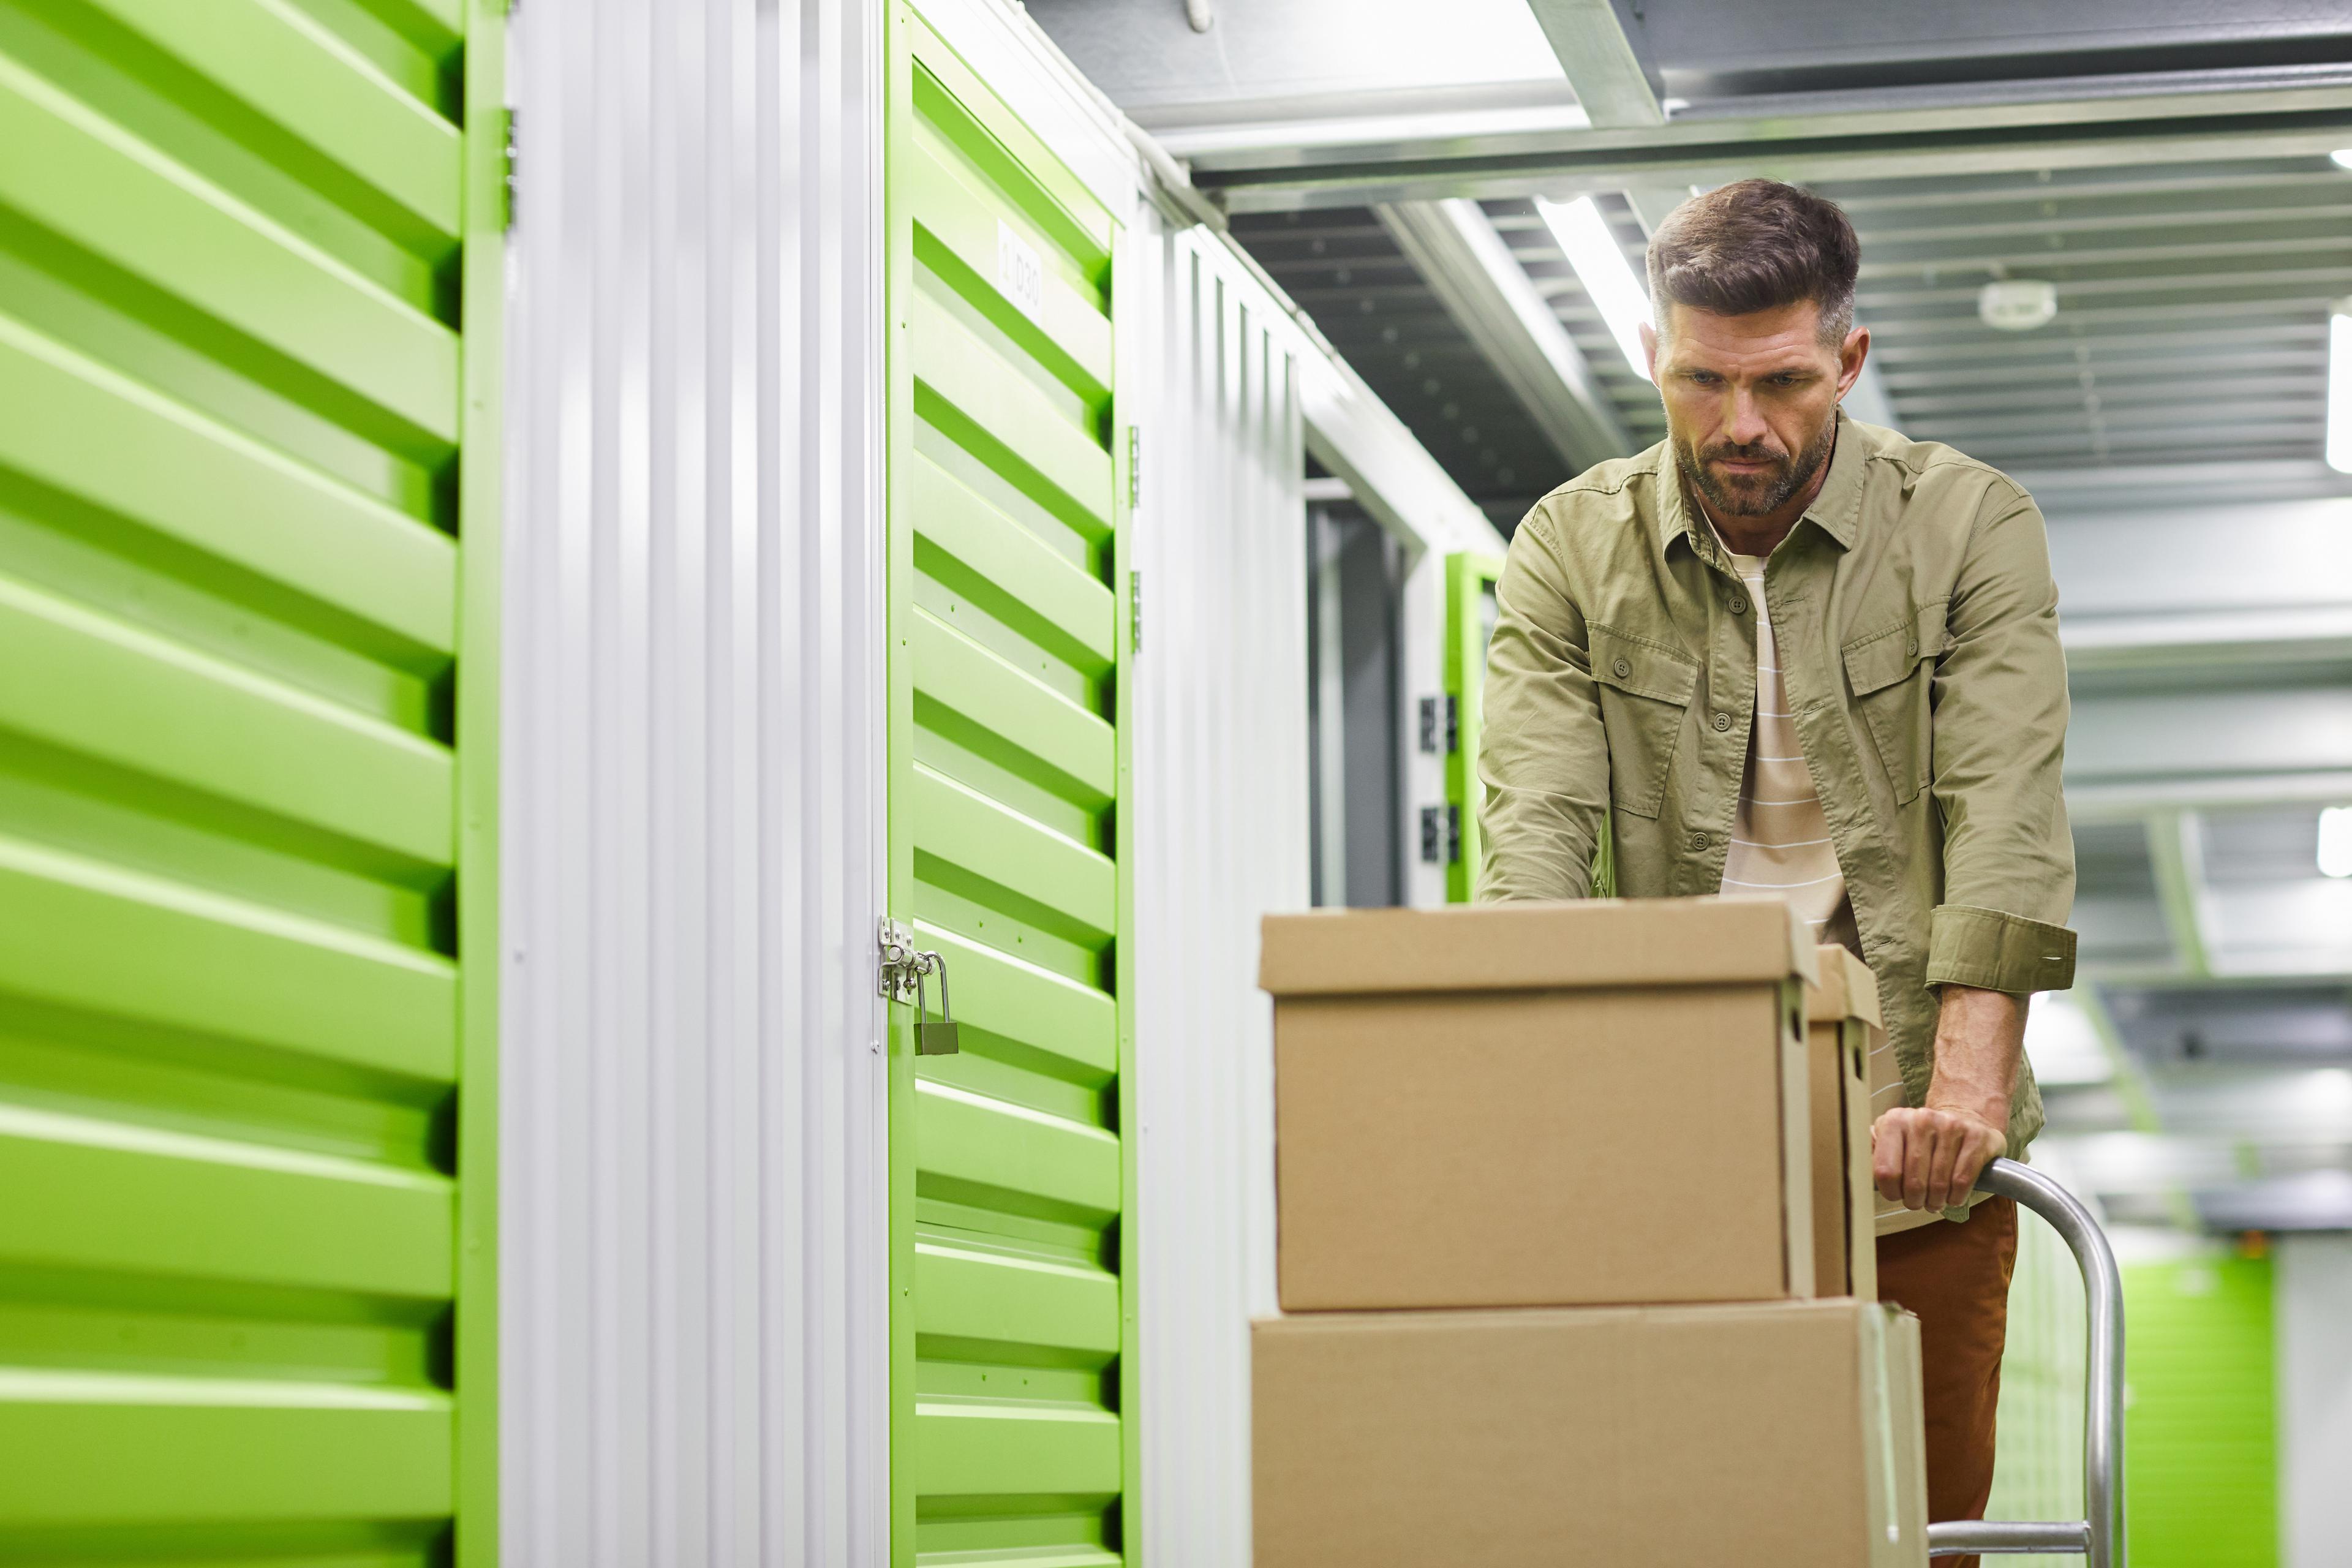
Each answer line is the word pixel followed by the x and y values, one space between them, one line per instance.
pixel 1722 723
pixel 1698 842
pixel 1738 606
pixel 1622 667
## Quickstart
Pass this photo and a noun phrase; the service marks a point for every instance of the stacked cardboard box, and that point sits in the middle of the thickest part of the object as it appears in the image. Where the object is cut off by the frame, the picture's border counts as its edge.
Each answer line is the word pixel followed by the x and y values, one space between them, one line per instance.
pixel 1841 1026
pixel 1559 1283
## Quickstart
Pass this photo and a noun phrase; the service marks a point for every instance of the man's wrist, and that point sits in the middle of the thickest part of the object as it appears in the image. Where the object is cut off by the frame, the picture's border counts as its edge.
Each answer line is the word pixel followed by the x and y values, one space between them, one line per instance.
pixel 1991 1109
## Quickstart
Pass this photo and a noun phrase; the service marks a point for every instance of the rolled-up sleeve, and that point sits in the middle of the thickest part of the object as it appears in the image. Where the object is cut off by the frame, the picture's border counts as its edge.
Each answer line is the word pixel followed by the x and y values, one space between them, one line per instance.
pixel 2000 711
pixel 1543 757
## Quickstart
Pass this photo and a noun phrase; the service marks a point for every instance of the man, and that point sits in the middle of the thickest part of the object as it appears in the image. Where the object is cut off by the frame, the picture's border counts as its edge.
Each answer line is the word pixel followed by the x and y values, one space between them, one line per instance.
pixel 1785 653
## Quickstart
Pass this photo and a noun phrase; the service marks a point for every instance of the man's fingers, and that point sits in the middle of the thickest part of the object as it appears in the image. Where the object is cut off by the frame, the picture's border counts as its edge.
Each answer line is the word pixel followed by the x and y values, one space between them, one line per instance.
pixel 1887 1137
pixel 1920 1148
pixel 1951 1144
pixel 1982 1148
pixel 1968 1161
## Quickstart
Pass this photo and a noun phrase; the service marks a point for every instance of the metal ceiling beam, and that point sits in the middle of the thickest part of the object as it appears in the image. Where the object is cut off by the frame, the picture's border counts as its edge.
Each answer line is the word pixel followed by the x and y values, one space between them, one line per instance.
pixel 2175 853
pixel 1893 134
pixel 1650 204
pixel 2181 737
pixel 2286 634
pixel 1471 270
pixel 1606 57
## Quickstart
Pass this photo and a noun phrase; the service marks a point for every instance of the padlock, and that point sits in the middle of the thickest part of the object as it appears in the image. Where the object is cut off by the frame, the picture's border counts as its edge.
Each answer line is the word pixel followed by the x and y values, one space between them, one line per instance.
pixel 934 1039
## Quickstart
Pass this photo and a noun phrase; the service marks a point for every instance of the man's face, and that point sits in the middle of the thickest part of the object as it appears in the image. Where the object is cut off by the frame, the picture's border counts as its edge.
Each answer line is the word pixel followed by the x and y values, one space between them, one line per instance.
pixel 1751 401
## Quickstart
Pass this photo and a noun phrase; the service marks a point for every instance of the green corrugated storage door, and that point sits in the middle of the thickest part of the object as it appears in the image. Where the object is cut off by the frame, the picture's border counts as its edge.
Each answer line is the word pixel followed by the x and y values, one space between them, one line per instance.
pixel 2200 1426
pixel 233 606
pixel 1006 771
pixel 1469 627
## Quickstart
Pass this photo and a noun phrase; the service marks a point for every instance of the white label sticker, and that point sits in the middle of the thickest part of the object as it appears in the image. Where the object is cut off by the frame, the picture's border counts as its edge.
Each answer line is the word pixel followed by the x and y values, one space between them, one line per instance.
pixel 1020 271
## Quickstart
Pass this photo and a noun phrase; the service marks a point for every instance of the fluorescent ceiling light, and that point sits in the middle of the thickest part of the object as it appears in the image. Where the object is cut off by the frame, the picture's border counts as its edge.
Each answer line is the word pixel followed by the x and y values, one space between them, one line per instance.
pixel 2063 1045
pixel 1601 266
pixel 2339 386
pixel 2341 157
pixel 2335 824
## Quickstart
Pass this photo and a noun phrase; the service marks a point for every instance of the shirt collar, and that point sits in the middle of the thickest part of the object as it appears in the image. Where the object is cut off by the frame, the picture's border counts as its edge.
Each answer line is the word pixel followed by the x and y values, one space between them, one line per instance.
pixel 1836 510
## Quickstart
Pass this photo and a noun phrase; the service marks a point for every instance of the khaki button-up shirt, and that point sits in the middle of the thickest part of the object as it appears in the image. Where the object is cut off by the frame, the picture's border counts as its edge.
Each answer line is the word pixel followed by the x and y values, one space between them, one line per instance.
pixel 1917 626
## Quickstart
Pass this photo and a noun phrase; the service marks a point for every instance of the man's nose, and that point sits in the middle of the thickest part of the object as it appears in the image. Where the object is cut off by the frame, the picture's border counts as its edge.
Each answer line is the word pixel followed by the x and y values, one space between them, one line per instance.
pixel 1743 423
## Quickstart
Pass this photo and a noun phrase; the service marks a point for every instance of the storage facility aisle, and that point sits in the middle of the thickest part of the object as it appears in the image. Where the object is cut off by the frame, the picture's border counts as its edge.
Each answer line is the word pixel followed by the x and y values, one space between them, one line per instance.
pixel 657 659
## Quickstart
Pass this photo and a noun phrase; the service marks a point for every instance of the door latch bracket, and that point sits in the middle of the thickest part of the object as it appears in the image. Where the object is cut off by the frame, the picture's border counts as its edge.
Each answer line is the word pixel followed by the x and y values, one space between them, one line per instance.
pixel 902 968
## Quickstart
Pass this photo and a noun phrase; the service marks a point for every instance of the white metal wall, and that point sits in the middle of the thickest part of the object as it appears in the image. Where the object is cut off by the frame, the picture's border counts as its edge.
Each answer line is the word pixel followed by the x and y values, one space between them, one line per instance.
pixel 693 1268
pixel 2314 1309
pixel 1221 763
pixel 2037 1472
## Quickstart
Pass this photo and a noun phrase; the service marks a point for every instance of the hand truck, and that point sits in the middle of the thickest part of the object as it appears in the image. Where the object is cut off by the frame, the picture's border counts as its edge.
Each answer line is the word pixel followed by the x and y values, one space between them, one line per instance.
pixel 2099 1537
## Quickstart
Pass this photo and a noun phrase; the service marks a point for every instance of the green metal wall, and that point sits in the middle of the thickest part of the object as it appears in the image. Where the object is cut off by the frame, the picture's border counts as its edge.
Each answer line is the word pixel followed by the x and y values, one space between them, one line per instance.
pixel 1469 627
pixel 241 711
pixel 1007 845
pixel 2201 1427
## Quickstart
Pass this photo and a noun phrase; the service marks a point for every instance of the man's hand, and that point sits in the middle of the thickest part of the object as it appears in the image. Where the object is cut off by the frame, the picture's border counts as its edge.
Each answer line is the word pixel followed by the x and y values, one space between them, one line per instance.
pixel 1928 1158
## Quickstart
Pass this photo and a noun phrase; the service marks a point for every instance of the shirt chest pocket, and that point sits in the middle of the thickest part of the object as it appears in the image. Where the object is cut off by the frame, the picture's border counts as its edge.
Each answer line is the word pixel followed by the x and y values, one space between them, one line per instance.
pixel 1646 690
pixel 1890 671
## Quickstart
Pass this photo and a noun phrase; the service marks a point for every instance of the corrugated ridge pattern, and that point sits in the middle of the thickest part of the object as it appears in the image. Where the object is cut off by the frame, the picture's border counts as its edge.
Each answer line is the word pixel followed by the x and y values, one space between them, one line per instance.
pixel 2038 1472
pixel 1222 837
pixel 694 1321
pixel 2201 1429
pixel 1007 796
pixel 230 421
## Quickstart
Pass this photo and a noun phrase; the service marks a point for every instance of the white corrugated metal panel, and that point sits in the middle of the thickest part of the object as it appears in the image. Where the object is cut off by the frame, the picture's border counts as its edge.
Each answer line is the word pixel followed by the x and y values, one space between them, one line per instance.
pixel 692 1201
pixel 1220 837
pixel 2038 1469
pixel 2314 1389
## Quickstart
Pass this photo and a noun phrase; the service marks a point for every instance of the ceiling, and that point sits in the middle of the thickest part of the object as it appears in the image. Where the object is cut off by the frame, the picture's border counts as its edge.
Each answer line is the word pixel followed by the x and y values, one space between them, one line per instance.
pixel 2164 165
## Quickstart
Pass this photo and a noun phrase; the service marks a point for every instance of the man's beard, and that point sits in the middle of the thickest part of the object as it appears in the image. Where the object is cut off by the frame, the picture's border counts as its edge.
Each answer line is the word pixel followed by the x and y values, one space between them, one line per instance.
pixel 1755 495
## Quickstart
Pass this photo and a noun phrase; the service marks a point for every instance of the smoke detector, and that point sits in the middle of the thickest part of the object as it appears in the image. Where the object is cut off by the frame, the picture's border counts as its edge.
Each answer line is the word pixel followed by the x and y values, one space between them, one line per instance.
pixel 2017 305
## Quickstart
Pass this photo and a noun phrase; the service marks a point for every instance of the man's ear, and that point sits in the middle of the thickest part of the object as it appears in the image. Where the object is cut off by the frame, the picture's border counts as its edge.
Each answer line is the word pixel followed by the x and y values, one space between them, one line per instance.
pixel 1650 351
pixel 1850 356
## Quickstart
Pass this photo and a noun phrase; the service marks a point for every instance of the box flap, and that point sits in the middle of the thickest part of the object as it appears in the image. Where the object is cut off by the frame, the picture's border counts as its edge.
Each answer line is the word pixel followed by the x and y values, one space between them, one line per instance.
pixel 1847 989
pixel 1535 947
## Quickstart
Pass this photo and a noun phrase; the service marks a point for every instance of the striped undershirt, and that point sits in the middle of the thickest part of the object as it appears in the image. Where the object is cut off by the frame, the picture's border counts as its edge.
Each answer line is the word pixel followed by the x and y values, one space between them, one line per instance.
pixel 1779 840
pixel 1780 847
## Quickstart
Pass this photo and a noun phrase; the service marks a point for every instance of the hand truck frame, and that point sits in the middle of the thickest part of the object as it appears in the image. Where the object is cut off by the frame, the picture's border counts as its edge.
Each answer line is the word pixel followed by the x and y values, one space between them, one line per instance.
pixel 2099 1536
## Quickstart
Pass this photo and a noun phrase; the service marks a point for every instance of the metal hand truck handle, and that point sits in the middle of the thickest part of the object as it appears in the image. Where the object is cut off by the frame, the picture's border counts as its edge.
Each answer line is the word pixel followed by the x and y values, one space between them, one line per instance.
pixel 2099 1537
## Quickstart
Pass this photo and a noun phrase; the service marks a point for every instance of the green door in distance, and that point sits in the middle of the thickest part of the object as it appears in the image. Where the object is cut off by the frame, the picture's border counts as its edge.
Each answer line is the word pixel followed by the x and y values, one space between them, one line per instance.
pixel 1009 1376
pixel 247 673
pixel 1469 627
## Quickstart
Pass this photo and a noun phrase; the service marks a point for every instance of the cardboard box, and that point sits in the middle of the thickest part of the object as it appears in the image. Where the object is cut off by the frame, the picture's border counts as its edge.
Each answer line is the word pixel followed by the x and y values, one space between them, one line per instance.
pixel 1779 1434
pixel 1541 1104
pixel 1843 1023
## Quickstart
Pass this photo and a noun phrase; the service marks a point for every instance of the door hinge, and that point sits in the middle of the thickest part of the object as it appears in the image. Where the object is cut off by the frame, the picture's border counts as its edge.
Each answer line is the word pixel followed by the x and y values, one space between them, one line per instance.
pixel 901 969
pixel 1134 467
pixel 1135 612
pixel 505 130
pixel 1440 834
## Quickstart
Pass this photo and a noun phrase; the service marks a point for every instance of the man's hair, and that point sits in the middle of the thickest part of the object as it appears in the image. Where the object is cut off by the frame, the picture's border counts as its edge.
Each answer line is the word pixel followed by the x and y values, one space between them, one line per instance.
pixel 1757 245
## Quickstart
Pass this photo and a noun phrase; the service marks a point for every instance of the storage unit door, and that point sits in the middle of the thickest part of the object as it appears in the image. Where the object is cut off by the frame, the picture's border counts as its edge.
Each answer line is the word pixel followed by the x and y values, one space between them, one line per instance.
pixel 1470 612
pixel 231 673
pixel 1006 773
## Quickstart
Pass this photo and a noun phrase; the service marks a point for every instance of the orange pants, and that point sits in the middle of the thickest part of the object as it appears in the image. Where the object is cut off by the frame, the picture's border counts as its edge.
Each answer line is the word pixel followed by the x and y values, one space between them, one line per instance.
pixel 1954 1279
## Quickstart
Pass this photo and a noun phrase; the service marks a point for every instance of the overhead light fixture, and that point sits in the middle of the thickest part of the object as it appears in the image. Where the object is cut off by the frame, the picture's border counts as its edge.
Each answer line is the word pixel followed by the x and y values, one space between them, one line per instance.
pixel 2339 386
pixel 1591 248
pixel 2336 828
pixel 2341 157
pixel 2063 1044
pixel 2017 305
